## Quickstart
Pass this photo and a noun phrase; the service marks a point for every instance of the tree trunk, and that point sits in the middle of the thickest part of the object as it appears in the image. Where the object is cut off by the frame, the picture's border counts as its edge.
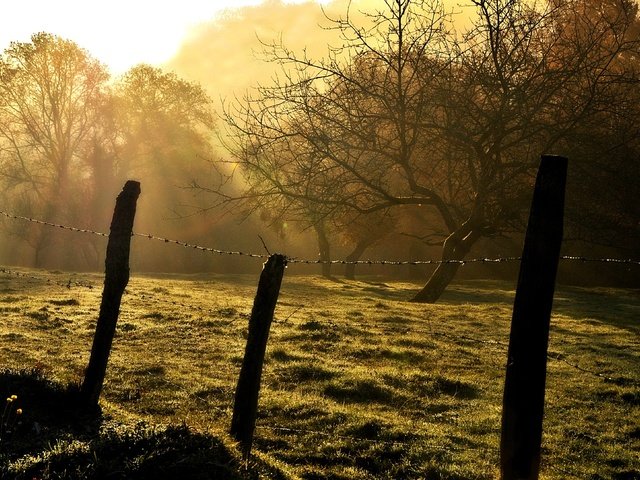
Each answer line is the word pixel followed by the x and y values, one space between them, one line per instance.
pixel 42 242
pixel 354 256
pixel 56 203
pixel 455 248
pixel 437 283
pixel 324 247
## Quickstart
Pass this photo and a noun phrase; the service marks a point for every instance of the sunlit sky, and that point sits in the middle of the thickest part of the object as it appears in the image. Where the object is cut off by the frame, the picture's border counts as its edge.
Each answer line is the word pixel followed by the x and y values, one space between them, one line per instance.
pixel 119 33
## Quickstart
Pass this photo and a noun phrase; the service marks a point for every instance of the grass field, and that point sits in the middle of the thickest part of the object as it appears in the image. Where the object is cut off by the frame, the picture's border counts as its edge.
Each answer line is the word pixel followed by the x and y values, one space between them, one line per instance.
pixel 358 382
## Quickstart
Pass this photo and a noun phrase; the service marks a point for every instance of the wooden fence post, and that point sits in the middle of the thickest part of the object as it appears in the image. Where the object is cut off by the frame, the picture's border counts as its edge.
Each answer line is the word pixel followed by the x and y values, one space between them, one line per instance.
pixel 245 407
pixel 115 281
pixel 523 400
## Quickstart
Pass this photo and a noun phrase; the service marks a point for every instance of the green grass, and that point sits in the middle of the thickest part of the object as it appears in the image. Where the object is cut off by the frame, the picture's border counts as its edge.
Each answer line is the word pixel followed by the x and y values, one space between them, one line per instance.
pixel 358 383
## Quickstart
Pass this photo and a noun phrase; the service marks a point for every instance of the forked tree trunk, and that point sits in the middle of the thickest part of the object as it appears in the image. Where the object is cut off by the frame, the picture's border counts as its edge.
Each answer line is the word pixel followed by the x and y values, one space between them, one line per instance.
pixel 354 256
pixel 57 202
pixel 39 247
pixel 325 249
pixel 437 283
pixel 455 248
pixel 42 243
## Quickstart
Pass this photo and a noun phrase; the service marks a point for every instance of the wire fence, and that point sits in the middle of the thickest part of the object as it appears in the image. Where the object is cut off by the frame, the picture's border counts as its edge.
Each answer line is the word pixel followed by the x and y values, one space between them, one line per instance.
pixel 335 435
pixel 295 260
pixel 292 260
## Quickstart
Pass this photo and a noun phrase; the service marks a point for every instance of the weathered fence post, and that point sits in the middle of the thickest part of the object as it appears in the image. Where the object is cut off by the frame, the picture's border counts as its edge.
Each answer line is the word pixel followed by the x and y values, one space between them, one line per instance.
pixel 115 281
pixel 523 401
pixel 245 407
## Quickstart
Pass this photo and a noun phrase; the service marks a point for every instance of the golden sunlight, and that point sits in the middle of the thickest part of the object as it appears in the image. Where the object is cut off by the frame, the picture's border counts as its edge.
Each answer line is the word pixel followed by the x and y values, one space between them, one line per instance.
pixel 119 33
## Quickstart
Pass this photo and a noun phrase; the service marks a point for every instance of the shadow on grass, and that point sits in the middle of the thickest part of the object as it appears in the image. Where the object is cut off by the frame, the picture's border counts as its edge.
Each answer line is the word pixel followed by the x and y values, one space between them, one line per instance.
pixel 478 292
pixel 615 307
pixel 138 452
pixel 49 411
pixel 54 438
pixel 361 391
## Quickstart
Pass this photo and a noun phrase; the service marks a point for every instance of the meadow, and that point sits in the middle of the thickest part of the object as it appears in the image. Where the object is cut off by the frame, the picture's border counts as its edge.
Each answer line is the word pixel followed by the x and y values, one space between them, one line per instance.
pixel 358 383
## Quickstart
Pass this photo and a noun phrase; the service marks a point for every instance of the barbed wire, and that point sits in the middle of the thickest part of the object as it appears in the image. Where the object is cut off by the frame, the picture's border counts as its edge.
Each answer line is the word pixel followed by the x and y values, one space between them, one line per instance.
pixel 630 261
pixel 51 224
pixel 134 234
pixel 295 260
pixel 199 247
pixel 292 260
pixel 401 262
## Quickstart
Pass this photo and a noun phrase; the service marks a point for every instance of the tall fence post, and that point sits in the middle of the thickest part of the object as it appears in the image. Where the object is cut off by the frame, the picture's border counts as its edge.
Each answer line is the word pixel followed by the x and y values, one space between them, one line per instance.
pixel 523 400
pixel 245 407
pixel 115 281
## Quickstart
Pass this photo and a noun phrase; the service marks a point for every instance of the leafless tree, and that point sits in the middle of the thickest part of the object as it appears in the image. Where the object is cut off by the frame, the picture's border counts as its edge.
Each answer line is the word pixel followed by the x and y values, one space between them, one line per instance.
pixel 408 113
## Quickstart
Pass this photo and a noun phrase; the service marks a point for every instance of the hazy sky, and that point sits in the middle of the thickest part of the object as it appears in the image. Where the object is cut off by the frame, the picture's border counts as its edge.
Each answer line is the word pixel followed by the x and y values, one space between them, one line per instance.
pixel 224 55
pixel 213 42
pixel 120 33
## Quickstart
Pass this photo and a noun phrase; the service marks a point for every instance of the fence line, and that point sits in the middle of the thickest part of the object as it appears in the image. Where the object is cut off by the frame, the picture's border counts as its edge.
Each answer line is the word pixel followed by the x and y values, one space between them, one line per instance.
pixel 143 235
pixel 50 224
pixel 290 260
pixel 502 345
pixel 248 409
pixel 557 356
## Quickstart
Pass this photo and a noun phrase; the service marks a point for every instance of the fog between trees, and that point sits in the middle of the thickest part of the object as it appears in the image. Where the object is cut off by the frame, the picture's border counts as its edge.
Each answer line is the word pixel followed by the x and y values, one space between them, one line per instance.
pixel 417 130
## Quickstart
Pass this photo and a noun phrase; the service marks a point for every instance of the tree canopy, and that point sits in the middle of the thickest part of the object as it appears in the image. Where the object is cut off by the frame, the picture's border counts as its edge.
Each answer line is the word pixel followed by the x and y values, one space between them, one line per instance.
pixel 408 112
pixel 69 137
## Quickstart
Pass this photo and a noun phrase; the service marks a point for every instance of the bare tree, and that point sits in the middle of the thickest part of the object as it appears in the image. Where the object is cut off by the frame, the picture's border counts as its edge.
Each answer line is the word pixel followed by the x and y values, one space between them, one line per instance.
pixel 407 113
pixel 522 86
pixel 328 134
